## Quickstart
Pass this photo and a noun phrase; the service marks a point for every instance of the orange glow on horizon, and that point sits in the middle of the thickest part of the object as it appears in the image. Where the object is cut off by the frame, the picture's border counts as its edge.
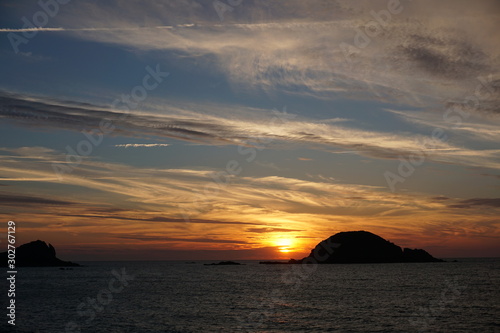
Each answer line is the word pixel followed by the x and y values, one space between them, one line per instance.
pixel 75 238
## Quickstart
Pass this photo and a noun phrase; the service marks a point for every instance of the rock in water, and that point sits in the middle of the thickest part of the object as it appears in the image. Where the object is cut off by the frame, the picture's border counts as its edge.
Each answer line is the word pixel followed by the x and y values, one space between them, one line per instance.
pixel 224 263
pixel 363 247
pixel 35 254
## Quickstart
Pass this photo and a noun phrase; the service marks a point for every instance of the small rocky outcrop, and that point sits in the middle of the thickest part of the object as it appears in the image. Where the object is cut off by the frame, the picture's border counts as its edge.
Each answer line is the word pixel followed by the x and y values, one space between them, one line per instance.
pixel 224 263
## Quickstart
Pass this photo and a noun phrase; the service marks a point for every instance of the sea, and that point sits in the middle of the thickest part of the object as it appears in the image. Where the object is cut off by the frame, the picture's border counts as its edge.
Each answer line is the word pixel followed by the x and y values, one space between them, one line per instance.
pixel 179 296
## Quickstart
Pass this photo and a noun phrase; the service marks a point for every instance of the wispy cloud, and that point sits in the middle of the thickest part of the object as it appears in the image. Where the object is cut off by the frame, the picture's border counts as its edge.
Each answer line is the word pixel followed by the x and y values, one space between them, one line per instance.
pixel 146 145
pixel 469 203
pixel 266 230
pixel 31 29
pixel 420 55
pixel 427 45
pixel 48 29
pixel 490 175
pixel 128 200
pixel 183 240
pixel 22 200
pixel 208 128
pixel 469 125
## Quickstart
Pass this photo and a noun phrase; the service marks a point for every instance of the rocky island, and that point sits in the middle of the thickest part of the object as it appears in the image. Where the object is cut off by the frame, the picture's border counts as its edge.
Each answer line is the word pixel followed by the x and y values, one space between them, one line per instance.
pixel 36 254
pixel 360 247
pixel 223 263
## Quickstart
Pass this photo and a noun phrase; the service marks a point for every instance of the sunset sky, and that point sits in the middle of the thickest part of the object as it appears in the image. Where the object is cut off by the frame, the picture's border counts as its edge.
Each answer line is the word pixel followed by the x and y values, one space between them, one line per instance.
pixel 150 130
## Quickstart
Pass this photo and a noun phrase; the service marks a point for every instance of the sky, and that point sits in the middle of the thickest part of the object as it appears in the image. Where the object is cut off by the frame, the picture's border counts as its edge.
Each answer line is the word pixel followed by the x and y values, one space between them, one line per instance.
pixel 239 129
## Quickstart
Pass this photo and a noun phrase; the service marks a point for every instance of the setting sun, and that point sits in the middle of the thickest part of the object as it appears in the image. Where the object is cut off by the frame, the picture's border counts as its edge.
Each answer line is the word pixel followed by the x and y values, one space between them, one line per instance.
pixel 284 245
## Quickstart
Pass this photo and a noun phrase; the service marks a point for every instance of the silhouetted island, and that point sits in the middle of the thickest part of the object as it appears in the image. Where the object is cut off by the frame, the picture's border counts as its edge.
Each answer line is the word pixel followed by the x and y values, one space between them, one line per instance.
pixel 223 263
pixel 36 254
pixel 360 247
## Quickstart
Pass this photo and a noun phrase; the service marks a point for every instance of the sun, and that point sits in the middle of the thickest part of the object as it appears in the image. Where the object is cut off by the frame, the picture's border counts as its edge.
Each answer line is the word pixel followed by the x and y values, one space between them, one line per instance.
pixel 284 245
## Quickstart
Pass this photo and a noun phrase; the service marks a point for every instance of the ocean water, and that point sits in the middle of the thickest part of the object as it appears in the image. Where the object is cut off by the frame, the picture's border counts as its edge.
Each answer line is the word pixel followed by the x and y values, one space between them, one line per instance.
pixel 459 296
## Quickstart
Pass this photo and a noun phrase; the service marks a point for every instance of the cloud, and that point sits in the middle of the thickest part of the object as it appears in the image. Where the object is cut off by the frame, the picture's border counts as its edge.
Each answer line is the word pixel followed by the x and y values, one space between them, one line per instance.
pixel 41 29
pixel 183 240
pixel 132 217
pixel 456 120
pixel 23 200
pixel 440 198
pixel 268 165
pixel 445 56
pixel 490 175
pixel 261 200
pixel 130 201
pixel 268 230
pixel 31 29
pixel 470 203
pixel 279 128
pixel 147 145
pixel 419 55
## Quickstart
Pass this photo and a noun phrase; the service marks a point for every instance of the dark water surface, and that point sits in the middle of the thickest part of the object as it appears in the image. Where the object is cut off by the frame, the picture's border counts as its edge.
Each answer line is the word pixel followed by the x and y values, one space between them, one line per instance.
pixel 190 297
